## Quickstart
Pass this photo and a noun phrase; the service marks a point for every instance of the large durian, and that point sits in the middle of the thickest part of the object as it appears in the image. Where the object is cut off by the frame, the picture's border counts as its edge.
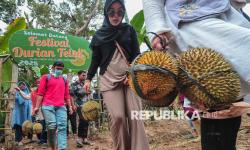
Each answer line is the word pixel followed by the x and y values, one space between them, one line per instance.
pixel 153 76
pixel 166 101
pixel 37 128
pixel 207 78
pixel 27 127
pixel 91 110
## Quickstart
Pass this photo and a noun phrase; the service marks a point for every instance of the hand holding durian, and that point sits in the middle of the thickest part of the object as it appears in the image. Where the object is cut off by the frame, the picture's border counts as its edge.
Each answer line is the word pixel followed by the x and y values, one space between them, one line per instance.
pixel 201 74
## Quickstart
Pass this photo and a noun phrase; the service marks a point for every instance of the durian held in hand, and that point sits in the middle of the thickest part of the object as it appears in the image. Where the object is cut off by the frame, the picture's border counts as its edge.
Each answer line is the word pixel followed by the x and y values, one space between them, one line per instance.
pixel 31 128
pixel 27 127
pixel 207 79
pixel 153 77
pixel 91 110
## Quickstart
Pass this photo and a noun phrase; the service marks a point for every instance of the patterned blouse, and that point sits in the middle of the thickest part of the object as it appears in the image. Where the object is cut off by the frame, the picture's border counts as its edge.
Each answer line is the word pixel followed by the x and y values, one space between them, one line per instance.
pixel 190 10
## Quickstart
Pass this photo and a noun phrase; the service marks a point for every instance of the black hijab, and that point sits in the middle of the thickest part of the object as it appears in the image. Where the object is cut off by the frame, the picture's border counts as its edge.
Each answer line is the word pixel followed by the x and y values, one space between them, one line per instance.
pixel 108 33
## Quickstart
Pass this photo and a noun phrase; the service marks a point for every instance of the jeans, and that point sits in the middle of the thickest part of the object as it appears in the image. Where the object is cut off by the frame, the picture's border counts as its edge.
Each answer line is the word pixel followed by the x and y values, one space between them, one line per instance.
pixel 56 118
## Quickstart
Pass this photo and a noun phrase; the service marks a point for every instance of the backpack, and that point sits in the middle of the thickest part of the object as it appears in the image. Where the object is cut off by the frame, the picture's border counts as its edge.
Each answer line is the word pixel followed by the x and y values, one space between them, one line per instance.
pixel 49 77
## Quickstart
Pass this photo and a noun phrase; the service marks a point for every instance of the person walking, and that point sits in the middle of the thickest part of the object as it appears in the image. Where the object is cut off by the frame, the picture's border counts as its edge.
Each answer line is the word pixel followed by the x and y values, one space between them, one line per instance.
pixel 80 96
pixel 114 46
pixel 52 93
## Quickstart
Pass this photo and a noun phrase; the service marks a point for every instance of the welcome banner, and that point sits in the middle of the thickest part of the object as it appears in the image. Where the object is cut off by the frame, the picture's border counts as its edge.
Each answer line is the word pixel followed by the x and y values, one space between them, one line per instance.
pixel 42 47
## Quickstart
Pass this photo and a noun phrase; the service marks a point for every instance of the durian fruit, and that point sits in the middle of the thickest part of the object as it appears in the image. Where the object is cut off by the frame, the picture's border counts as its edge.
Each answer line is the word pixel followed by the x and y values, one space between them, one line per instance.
pixel 153 75
pixel 207 78
pixel 165 101
pixel 37 128
pixel 27 127
pixel 91 110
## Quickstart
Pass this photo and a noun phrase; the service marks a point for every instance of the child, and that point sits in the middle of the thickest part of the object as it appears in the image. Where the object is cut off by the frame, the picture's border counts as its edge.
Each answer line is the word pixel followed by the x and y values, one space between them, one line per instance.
pixel 192 118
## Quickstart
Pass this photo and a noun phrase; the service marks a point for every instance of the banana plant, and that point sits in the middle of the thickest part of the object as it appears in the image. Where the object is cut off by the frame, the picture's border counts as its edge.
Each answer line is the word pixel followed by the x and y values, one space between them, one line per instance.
pixel 17 24
pixel 138 23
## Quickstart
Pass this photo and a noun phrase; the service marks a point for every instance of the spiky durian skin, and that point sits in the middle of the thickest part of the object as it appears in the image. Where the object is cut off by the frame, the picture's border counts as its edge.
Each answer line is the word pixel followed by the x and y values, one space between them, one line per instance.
pixel 155 85
pixel 37 128
pixel 90 110
pixel 165 101
pixel 27 127
pixel 211 71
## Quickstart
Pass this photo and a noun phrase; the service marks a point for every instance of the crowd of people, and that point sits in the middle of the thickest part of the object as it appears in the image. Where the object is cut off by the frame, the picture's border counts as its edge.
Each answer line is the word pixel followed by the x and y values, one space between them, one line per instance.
pixel 220 25
pixel 52 102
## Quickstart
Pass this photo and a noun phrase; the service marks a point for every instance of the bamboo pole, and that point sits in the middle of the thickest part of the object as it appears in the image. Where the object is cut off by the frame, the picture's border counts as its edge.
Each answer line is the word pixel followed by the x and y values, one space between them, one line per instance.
pixel 6 99
pixel 9 135
pixel 5 129
pixel 1 73
pixel 4 111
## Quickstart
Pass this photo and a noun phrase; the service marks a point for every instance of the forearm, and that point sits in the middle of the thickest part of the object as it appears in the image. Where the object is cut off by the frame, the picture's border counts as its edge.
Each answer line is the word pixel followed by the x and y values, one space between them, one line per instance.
pixel 68 102
pixel 24 95
pixel 39 101
pixel 92 69
pixel 155 18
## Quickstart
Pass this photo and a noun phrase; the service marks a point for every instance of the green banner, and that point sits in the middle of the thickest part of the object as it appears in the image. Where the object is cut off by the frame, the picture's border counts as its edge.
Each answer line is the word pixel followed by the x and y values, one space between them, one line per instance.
pixel 42 47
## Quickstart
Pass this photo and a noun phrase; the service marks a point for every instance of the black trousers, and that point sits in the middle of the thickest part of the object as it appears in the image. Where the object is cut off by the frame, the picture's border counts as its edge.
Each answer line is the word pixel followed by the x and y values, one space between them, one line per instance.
pixel 83 125
pixel 219 134
pixel 72 119
pixel 19 134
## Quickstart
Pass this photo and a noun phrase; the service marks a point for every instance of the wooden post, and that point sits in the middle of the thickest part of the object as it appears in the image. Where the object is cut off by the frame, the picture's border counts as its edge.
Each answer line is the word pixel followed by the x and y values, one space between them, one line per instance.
pixel 1 72
pixel 9 135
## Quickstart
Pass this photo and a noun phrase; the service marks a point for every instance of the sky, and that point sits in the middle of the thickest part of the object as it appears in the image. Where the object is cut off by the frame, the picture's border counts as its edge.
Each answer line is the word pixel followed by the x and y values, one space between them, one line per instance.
pixel 134 6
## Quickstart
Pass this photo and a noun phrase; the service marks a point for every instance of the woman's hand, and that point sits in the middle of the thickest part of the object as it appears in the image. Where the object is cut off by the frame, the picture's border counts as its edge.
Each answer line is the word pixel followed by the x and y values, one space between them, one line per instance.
pixel 157 44
pixel 86 86
pixel 125 81
pixel 237 109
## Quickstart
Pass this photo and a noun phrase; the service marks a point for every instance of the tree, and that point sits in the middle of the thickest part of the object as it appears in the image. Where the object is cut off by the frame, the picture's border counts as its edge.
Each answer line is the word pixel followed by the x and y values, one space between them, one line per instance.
pixel 70 16
pixel 76 17
pixel 8 10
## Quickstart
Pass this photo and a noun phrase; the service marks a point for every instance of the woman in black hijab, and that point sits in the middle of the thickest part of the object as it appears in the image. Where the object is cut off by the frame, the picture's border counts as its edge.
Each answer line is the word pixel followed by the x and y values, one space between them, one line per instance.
pixel 114 47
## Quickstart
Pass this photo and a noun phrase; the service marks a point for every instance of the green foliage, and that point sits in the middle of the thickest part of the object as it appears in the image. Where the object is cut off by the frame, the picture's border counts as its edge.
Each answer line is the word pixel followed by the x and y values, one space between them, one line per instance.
pixel 8 10
pixel 66 16
pixel 44 70
pixel 17 24
pixel 138 23
pixel 6 75
pixel 2 119
pixel 36 71
pixel 42 13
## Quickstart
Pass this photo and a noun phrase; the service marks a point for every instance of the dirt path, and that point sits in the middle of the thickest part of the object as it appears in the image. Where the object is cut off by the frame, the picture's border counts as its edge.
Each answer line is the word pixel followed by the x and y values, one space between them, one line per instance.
pixel 163 135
